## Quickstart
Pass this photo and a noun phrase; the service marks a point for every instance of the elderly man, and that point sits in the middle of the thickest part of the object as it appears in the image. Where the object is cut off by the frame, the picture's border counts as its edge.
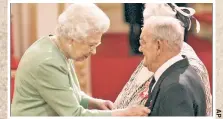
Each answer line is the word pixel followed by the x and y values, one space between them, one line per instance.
pixel 136 89
pixel 46 83
pixel 175 89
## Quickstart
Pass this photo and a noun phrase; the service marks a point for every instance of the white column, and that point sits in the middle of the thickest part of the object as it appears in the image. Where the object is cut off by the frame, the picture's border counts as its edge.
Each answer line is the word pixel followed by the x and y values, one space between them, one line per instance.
pixel 16 20
pixel 25 26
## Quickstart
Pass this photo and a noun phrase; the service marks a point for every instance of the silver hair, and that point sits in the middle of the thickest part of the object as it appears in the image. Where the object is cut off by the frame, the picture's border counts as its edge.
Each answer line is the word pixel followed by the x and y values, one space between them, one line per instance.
pixel 78 20
pixel 184 14
pixel 166 28
pixel 157 9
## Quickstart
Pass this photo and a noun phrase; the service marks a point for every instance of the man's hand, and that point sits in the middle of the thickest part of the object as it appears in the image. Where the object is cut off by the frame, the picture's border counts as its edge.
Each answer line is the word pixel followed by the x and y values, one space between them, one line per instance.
pixel 100 104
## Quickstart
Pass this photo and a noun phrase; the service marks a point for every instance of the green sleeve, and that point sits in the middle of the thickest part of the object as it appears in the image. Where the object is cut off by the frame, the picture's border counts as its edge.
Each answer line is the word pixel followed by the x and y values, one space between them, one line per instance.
pixel 54 87
pixel 85 100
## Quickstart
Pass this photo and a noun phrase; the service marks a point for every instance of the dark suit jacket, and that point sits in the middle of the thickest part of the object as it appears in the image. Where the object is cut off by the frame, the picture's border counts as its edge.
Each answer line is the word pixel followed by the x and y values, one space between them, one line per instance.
pixel 178 92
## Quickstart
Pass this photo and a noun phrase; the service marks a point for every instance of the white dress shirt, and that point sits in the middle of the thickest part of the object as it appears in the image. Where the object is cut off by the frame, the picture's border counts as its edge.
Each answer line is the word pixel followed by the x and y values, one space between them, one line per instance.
pixel 165 66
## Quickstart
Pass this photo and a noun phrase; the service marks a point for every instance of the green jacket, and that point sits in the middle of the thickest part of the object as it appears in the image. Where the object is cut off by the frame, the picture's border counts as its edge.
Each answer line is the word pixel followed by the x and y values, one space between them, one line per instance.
pixel 46 85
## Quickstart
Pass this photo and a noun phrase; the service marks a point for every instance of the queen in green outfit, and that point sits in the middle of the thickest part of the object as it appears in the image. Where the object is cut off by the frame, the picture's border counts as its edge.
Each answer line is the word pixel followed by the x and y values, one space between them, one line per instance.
pixel 46 83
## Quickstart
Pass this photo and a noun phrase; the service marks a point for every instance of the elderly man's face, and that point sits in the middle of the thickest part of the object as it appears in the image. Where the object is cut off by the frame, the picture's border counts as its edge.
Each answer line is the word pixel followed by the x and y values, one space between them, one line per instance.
pixel 83 49
pixel 148 47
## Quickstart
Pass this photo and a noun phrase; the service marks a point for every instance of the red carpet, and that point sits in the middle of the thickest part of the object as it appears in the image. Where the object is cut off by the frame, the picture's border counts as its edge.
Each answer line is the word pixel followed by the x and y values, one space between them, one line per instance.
pixel 112 66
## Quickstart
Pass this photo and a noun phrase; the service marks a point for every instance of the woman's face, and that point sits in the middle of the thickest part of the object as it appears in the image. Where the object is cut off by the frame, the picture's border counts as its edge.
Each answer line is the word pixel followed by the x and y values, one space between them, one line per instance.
pixel 81 50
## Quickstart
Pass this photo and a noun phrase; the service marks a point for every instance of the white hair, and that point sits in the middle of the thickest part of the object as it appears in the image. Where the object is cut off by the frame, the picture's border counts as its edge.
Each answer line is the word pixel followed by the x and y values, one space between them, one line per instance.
pixel 166 28
pixel 163 9
pixel 158 9
pixel 78 20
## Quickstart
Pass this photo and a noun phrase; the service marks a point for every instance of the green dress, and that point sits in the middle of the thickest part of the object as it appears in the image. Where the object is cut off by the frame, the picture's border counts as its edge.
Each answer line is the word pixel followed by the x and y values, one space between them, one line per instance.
pixel 46 85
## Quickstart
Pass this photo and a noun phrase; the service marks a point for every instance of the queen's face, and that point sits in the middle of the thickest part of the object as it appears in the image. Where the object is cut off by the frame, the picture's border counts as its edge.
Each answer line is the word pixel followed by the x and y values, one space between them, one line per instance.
pixel 81 50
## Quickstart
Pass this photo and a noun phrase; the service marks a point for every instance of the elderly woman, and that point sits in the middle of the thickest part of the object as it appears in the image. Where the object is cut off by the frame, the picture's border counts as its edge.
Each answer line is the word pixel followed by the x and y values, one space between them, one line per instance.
pixel 46 83
pixel 136 89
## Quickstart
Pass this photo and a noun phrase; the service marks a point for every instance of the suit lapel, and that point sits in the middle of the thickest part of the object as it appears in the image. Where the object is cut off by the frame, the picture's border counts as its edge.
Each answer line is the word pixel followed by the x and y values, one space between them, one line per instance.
pixel 153 96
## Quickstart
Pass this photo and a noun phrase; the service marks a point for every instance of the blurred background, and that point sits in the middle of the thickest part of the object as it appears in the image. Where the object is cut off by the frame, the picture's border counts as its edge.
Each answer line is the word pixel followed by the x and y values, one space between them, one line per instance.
pixel 104 74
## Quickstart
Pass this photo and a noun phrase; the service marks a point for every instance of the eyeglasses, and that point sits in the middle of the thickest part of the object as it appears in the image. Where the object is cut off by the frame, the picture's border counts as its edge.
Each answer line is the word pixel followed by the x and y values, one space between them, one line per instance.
pixel 92 46
pixel 142 42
